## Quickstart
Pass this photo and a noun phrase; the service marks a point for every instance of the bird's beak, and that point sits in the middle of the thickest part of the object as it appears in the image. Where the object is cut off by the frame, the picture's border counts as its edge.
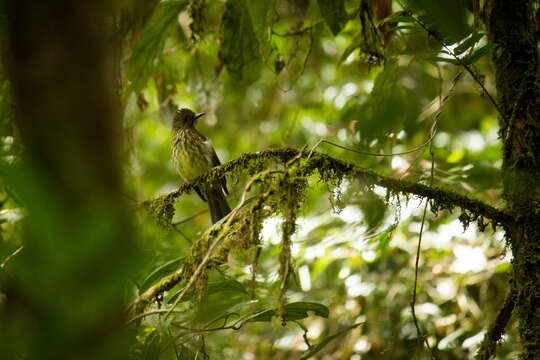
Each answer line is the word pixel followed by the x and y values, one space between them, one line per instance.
pixel 199 115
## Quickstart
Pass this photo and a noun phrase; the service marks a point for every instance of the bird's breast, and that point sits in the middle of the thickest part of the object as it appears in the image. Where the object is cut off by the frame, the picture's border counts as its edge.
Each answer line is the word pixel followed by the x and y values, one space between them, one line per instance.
pixel 188 153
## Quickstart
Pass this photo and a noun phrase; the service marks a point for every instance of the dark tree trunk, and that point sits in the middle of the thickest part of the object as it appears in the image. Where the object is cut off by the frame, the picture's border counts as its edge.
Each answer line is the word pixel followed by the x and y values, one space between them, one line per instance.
pixel 512 29
pixel 64 298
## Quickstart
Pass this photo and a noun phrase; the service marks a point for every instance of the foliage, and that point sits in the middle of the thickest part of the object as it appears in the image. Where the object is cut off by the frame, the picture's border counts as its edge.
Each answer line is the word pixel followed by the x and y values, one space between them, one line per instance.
pixel 318 257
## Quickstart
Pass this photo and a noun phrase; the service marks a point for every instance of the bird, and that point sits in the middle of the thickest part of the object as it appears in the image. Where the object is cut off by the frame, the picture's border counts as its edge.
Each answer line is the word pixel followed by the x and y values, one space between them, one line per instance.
pixel 192 155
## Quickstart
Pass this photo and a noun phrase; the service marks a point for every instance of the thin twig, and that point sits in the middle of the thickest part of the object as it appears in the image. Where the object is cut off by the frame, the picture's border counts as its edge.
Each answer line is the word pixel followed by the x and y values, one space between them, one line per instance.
pixel 413 301
pixel 3 265
pixel 475 77
pixel 189 218
pixel 306 29
pixel 304 335
pixel 414 149
pixel 237 325
pixel 419 246
pixel 187 238
pixel 306 58
pixel 173 342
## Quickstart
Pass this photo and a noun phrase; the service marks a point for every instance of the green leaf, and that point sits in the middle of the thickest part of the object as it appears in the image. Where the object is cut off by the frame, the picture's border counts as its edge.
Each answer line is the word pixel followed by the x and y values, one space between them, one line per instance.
pixel 213 288
pixel 260 13
pixel 348 51
pixel 314 350
pixel 503 268
pixel 294 311
pixel 226 285
pixel 478 54
pixel 166 76
pixel 447 17
pixel 374 209
pixel 467 44
pixel 484 176
pixel 334 14
pixel 403 16
pixel 390 107
pixel 442 59
pixel 239 47
pixel 384 237
pixel 151 42
pixel 160 272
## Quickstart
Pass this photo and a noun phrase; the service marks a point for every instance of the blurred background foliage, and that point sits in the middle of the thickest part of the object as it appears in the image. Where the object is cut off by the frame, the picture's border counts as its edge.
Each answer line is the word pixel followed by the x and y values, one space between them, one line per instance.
pixel 368 75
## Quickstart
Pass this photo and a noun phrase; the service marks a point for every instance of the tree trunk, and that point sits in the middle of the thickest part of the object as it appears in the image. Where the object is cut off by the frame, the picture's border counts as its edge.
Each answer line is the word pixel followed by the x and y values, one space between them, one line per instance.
pixel 512 29
pixel 64 299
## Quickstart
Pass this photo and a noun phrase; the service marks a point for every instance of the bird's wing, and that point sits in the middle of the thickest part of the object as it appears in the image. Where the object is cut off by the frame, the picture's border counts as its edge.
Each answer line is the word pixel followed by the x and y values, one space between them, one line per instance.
pixel 214 160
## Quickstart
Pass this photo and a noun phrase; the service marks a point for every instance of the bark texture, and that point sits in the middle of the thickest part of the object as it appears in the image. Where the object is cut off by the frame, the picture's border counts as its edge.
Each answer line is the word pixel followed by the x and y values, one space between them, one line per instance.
pixel 512 29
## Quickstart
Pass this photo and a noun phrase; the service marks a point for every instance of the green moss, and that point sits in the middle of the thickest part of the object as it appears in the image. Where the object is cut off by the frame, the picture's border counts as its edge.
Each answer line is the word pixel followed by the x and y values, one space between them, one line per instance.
pixel 513 30
pixel 282 192
pixel 161 209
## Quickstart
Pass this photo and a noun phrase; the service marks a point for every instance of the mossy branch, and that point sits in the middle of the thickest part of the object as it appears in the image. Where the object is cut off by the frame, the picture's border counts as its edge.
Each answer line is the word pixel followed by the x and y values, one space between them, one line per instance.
pixel 496 329
pixel 236 232
pixel 441 199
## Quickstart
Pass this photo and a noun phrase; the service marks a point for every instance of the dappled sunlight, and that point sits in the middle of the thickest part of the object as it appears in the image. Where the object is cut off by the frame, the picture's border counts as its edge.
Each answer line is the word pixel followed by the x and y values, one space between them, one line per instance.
pixel 372 164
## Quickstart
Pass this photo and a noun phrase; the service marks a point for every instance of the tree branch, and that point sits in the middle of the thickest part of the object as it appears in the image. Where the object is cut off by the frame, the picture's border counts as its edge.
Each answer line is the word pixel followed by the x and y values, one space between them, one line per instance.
pixel 442 199
pixel 327 167
pixel 496 330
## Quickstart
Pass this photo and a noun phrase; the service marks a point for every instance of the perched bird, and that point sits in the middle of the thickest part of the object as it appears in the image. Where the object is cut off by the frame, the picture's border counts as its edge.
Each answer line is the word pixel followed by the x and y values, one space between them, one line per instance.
pixel 192 155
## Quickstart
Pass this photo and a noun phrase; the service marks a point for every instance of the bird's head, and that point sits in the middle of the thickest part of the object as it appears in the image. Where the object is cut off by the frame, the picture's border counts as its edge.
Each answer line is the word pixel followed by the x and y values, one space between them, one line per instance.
pixel 184 118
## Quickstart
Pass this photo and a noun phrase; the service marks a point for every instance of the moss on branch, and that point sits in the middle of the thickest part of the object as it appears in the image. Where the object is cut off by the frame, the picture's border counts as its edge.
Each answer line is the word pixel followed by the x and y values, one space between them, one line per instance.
pixel 496 329
pixel 332 168
pixel 282 191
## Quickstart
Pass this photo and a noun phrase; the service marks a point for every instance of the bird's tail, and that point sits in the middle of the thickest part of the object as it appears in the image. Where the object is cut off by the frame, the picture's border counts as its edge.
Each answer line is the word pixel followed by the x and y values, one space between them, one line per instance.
pixel 217 203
